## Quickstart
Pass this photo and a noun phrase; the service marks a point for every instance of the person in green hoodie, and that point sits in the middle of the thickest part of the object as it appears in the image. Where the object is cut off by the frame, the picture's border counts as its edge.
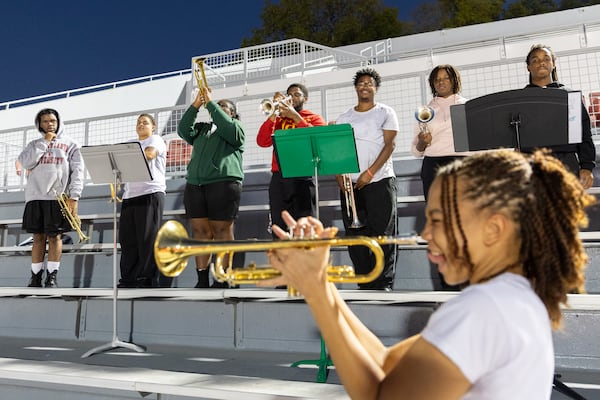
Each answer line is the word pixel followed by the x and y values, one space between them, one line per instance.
pixel 214 173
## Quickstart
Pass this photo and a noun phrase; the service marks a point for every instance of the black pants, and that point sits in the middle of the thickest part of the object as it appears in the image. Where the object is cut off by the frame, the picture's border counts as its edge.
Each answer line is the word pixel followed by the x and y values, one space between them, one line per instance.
pixel 376 209
pixel 294 195
pixel 429 169
pixel 139 222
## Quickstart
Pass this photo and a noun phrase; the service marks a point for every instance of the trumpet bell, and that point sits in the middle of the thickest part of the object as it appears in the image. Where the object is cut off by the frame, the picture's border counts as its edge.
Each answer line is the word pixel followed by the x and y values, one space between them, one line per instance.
pixel 167 245
pixel 424 114
pixel 266 107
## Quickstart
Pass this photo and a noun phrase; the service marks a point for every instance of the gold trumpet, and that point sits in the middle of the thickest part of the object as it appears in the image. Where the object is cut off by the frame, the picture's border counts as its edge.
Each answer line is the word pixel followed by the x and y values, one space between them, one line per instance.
pixel 355 223
pixel 73 220
pixel 200 75
pixel 172 248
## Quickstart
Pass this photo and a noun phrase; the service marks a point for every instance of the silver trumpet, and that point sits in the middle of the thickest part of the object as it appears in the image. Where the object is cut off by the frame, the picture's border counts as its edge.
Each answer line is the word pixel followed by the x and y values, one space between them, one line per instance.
pixel 424 114
pixel 355 223
pixel 269 107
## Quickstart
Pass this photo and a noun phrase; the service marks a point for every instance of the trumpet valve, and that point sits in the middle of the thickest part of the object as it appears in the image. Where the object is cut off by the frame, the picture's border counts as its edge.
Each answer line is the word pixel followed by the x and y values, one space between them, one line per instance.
pixel 341 271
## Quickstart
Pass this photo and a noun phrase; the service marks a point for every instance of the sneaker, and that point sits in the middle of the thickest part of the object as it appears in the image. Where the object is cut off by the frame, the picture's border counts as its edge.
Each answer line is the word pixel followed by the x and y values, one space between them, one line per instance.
pixel 51 280
pixel 36 279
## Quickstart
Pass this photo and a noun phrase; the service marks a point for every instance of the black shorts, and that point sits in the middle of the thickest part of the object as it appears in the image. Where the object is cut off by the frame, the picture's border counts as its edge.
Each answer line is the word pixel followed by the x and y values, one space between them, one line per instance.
pixel 219 201
pixel 44 216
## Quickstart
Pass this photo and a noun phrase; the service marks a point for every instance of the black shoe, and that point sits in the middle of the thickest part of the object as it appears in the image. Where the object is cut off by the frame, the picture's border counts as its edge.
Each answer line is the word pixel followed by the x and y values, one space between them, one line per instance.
pixel 202 278
pixel 144 283
pixel 36 279
pixel 51 280
pixel 219 285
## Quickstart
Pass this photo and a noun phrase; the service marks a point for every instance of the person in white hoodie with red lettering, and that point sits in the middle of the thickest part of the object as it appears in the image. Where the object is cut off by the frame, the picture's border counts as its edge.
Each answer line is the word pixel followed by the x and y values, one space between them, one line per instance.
pixel 56 168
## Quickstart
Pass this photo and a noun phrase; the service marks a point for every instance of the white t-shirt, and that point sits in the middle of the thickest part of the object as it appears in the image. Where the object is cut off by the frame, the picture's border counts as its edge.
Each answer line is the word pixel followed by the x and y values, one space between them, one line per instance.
pixel 157 168
pixel 499 335
pixel 368 134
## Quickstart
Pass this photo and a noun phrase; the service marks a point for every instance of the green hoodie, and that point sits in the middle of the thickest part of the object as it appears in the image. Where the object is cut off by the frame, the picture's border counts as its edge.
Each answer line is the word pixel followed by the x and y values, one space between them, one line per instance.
pixel 216 156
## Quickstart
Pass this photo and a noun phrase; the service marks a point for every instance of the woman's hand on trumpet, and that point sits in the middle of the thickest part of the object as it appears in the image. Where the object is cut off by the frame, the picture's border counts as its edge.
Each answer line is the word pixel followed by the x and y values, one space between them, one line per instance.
pixel 304 269
pixel 424 140
pixel 203 96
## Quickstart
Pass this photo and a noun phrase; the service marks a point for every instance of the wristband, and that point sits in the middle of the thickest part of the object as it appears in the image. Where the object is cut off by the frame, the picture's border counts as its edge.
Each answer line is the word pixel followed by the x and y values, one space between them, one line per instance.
pixel 369 172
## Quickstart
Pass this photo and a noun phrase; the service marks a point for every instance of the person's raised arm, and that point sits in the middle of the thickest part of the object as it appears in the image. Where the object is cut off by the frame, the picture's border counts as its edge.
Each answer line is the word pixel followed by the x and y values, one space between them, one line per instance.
pixel 358 353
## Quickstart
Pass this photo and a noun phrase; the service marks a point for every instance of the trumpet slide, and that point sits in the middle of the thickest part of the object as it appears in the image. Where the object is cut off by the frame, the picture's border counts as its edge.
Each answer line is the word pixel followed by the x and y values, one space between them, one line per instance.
pixel 172 248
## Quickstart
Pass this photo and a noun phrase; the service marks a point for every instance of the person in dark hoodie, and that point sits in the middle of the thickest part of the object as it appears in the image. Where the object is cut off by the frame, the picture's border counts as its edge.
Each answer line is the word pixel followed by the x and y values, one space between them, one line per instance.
pixel 55 168
pixel 214 174
pixel 579 158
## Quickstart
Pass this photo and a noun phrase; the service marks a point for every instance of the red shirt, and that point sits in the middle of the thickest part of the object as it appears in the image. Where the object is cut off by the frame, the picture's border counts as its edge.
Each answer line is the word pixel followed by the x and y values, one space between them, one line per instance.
pixel 265 133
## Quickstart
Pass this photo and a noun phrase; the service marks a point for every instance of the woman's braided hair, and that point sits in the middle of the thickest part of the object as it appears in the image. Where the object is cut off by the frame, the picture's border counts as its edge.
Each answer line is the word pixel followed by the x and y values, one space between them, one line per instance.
pixel 545 201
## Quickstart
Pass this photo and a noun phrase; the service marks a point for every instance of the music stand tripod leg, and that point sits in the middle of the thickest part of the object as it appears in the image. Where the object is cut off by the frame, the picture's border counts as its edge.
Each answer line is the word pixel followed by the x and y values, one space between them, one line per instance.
pixel 324 362
pixel 564 389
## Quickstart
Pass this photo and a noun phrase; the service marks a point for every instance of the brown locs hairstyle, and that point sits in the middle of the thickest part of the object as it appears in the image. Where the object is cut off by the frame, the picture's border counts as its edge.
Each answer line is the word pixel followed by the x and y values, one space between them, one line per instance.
pixel 546 201
pixel 453 74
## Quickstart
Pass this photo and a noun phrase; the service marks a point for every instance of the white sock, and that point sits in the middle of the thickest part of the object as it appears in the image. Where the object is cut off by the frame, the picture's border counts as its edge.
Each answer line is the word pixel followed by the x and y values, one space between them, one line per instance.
pixel 52 266
pixel 37 267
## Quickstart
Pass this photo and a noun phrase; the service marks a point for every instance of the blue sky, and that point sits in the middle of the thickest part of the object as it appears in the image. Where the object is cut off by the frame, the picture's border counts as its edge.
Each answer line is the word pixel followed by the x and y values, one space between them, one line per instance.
pixel 51 46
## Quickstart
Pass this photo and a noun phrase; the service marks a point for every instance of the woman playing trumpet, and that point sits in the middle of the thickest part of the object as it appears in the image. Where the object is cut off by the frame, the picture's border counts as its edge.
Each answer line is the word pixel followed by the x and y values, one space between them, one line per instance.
pixel 490 223
pixel 214 174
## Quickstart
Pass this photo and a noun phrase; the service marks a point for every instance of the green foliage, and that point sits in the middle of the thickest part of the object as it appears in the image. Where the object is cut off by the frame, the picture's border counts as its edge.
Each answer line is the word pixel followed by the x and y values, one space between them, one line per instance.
pixel 522 8
pixel 426 18
pixel 342 22
pixel 569 4
pixel 468 12
pixel 328 22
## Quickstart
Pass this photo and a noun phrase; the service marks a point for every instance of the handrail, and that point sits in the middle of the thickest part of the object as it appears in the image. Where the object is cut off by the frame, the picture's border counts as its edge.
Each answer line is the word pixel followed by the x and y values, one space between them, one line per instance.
pixel 74 92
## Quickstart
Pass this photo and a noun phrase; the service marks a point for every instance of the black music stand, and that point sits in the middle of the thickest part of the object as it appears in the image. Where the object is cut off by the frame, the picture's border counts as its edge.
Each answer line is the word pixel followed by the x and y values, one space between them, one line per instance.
pixel 521 119
pixel 116 164
pixel 314 151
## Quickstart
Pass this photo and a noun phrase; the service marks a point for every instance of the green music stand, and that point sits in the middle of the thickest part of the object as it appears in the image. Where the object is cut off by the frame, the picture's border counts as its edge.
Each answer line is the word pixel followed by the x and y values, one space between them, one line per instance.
pixel 314 151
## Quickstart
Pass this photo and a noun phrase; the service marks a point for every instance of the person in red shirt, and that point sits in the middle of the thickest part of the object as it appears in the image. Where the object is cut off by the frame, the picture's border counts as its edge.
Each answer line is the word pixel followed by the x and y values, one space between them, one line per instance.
pixel 295 195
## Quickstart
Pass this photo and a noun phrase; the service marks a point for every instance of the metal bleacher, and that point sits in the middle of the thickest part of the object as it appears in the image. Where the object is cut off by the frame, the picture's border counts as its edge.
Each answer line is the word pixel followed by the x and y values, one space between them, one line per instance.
pixel 217 343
